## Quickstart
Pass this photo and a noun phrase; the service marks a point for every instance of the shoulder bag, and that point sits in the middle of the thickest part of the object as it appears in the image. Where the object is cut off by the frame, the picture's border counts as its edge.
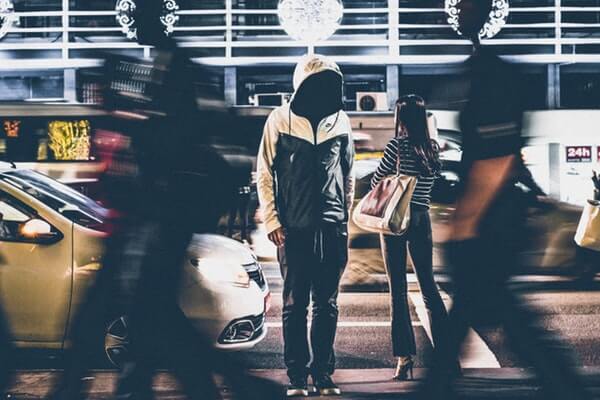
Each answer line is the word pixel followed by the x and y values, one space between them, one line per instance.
pixel 386 208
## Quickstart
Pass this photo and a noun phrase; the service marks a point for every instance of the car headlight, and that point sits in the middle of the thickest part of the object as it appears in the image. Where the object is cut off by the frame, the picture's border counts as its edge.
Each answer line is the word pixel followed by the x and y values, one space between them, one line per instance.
pixel 215 271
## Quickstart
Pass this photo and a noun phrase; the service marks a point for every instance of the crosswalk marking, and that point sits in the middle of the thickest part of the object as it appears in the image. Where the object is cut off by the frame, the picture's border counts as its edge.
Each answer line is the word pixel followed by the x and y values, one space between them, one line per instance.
pixel 476 353
pixel 351 324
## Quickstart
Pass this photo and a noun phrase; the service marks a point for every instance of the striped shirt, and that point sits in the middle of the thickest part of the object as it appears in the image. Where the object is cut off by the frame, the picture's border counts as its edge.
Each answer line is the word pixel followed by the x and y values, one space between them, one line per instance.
pixel 408 166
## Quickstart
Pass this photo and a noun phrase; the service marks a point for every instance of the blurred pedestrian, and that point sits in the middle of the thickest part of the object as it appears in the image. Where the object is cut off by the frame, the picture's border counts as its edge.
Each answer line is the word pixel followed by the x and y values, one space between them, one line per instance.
pixel 165 183
pixel 487 226
pixel 412 152
pixel 305 186
pixel 6 354
pixel 186 187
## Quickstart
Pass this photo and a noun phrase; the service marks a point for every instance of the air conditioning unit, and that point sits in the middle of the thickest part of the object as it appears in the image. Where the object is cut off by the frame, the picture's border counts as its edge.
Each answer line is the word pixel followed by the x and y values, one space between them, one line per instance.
pixel 269 99
pixel 371 101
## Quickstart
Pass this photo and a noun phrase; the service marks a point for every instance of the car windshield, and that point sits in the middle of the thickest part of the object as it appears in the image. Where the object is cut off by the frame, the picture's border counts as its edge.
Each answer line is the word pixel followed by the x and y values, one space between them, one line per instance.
pixel 70 203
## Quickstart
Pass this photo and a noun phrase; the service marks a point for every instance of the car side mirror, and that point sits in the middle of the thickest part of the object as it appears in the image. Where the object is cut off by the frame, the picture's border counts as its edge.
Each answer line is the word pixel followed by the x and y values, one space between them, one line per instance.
pixel 39 231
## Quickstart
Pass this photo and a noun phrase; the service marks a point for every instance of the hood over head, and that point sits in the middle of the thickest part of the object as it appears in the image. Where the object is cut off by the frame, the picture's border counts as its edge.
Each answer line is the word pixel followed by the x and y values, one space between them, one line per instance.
pixel 318 84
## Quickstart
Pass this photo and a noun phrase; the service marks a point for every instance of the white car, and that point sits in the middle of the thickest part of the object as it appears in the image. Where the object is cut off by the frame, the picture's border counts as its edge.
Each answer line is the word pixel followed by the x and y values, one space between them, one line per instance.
pixel 51 246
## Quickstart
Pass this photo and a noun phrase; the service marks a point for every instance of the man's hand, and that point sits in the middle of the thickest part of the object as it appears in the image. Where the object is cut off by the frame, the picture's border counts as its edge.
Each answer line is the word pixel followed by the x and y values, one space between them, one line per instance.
pixel 277 237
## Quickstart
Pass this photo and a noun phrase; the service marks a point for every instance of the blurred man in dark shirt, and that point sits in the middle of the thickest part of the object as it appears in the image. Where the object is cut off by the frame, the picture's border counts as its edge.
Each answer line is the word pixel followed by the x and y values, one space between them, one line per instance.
pixel 488 225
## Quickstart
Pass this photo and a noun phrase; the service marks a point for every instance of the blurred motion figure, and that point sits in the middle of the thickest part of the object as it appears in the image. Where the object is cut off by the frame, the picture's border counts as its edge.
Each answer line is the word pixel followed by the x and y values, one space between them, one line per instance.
pixel 488 225
pixel 165 183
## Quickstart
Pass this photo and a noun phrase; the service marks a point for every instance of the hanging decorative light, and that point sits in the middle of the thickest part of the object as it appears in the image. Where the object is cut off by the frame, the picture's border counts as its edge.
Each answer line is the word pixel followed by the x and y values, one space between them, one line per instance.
pixel 494 24
pixel 310 20
pixel 126 8
pixel 6 16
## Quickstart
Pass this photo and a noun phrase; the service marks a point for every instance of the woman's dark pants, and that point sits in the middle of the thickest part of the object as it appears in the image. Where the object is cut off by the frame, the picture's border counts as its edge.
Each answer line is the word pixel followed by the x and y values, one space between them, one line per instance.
pixel 419 242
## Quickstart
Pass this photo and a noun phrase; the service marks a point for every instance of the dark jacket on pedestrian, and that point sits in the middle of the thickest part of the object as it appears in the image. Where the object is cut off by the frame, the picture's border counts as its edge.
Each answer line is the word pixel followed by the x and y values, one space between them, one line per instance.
pixel 306 155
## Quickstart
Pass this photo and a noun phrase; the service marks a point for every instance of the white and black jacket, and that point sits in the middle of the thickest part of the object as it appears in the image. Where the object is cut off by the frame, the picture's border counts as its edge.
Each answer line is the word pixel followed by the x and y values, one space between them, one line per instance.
pixel 305 178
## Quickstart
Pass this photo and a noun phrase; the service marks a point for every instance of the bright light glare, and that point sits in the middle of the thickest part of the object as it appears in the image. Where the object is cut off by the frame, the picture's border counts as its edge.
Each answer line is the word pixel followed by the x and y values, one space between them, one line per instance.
pixel 215 271
pixel 310 20
pixel 34 228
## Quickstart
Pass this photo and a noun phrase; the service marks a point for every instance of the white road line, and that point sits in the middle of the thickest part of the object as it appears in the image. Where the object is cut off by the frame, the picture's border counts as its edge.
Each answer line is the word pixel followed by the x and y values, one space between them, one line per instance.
pixel 350 324
pixel 476 354
pixel 347 294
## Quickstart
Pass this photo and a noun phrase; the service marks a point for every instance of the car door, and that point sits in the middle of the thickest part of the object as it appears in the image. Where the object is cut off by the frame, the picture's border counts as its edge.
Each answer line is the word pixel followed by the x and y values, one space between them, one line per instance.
pixel 35 275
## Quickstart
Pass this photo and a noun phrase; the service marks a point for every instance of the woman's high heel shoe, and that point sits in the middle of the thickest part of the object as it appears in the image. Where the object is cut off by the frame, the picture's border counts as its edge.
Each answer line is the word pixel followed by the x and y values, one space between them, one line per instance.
pixel 404 370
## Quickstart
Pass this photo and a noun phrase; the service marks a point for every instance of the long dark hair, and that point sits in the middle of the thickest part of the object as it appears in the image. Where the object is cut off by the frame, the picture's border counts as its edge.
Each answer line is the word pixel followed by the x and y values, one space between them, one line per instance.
pixel 411 120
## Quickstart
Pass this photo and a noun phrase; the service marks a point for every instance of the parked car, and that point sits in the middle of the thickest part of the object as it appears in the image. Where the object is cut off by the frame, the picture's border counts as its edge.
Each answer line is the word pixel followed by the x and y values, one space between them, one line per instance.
pixel 51 247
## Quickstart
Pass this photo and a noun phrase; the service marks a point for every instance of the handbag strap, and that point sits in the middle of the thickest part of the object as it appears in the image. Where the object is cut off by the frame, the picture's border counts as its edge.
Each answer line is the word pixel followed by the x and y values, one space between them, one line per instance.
pixel 398 157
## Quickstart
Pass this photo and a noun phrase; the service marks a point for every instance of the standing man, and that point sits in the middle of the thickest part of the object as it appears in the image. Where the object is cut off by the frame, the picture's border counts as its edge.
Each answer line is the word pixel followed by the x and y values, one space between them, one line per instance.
pixel 305 187
pixel 488 225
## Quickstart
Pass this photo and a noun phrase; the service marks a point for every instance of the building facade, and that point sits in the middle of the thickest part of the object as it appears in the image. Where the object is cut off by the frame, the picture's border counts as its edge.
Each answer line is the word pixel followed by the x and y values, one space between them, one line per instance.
pixel 393 46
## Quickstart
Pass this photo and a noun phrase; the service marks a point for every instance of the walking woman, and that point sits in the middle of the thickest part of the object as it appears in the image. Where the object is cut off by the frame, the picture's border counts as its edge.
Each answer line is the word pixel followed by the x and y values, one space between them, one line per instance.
pixel 411 152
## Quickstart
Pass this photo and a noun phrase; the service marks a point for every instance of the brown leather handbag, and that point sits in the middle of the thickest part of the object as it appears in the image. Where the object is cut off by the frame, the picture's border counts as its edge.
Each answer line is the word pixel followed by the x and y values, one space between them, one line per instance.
pixel 386 208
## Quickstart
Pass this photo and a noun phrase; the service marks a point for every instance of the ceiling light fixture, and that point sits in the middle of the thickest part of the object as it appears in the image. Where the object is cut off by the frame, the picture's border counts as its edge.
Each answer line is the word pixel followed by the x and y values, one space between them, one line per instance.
pixel 125 11
pixel 310 20
pixel 494 24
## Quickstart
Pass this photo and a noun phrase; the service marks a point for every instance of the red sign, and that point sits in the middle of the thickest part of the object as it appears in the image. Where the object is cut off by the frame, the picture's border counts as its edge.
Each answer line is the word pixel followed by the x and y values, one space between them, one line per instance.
pixel 578 154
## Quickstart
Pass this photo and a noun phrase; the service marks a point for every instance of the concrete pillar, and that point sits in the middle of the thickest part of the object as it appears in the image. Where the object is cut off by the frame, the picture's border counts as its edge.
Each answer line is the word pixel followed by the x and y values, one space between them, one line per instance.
pixel 554 170
pixel 392 84
pixel 553 97
pixel 230 86
pixel 70 84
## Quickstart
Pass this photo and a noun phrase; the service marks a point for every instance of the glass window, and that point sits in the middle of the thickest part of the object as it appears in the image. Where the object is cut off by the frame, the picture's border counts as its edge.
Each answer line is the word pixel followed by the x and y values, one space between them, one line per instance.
pixel 13 214
pixel 71 204
pixel 580 86
pixel 41 139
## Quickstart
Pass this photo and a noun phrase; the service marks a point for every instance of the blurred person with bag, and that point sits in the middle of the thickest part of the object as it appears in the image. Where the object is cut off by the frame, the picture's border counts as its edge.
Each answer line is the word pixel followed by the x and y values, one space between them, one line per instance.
pixel 487 230
pixel 587 237
pixel 414 153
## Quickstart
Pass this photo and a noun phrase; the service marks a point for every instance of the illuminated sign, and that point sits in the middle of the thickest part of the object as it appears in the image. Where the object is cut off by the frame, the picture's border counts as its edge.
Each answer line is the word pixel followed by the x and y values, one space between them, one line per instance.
pixel 70 140
pixel 11 128
pixel 578 154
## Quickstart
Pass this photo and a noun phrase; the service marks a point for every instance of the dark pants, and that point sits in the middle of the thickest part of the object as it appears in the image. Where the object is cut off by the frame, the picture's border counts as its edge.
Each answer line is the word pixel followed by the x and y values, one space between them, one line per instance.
pixel 481 268
pixel 312 263
pixel 160 334
pixel 89 325
pixel 394 249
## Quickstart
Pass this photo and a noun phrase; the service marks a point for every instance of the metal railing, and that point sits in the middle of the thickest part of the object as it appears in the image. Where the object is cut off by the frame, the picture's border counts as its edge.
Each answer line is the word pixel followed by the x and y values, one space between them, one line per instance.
pixel 233 35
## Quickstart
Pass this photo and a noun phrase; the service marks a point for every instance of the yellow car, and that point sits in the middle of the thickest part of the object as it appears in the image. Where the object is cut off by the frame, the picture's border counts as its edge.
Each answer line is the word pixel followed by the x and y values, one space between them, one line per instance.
pixel 51 248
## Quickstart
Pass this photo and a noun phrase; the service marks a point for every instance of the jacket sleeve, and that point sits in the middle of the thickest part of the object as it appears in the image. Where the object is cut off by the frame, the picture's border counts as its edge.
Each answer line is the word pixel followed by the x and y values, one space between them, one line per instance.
pixel 349 178
pixel 265 176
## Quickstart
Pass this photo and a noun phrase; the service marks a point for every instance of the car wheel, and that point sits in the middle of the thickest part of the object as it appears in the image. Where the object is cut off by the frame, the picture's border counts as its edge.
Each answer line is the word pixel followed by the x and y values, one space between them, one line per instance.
pixel 116 341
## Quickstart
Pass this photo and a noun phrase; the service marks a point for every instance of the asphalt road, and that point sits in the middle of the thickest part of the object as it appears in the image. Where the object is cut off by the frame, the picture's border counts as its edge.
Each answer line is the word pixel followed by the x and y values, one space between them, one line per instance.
pixel 363 339
pixel 364 357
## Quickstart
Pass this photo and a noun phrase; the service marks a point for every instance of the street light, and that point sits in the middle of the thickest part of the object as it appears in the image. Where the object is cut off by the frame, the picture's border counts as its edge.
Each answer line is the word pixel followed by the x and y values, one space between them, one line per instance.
pixel 494 24
pixel 310 20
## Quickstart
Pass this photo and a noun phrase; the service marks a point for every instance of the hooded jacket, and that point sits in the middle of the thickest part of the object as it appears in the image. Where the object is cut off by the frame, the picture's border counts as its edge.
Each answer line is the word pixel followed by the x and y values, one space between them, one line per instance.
pixel 305 175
